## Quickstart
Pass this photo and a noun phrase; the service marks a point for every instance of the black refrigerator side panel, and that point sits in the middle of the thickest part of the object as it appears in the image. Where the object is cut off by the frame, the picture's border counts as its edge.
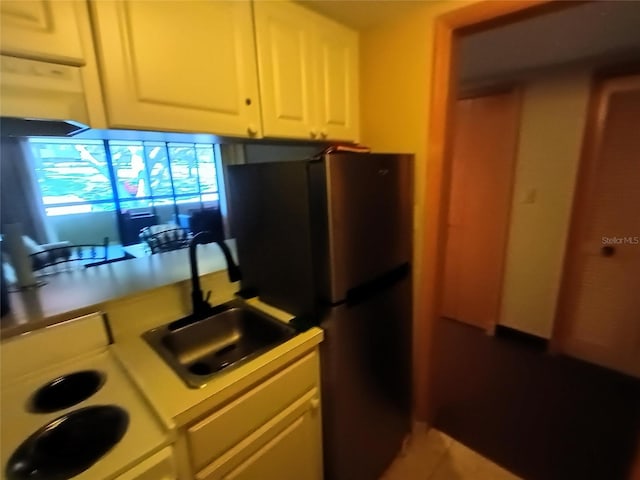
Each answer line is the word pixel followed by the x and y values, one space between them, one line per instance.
pixel 366 383
pixel 270 218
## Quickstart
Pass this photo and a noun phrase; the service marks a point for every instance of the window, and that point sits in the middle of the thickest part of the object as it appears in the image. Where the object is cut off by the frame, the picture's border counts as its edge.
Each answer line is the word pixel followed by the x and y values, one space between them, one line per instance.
pixel 82 176
pixel 73 177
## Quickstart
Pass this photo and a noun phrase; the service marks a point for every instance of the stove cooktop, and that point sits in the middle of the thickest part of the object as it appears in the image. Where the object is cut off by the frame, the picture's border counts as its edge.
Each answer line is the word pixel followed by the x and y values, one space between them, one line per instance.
pixel 80 418
pixel 66 391
pixel 68 445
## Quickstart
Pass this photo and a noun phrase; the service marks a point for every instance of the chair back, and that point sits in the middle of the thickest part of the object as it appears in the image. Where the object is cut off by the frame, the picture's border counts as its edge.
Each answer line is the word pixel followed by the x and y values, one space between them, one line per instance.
pixel 165 240
pixel 69 257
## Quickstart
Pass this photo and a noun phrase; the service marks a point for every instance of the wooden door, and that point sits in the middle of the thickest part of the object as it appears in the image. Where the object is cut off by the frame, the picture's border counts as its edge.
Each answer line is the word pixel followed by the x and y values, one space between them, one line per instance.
pixel 182 66
pixel 285 35
pixel 599 308
pixel 337 95
pixel 44 30
pixel 484 151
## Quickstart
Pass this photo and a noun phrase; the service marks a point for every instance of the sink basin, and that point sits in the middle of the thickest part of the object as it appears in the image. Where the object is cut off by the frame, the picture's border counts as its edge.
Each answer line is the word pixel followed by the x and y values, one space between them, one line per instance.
pixel 198 348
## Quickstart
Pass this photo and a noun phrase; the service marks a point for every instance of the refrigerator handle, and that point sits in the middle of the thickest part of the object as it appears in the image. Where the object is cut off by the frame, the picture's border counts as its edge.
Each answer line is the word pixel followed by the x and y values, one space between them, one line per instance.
pixel 365 291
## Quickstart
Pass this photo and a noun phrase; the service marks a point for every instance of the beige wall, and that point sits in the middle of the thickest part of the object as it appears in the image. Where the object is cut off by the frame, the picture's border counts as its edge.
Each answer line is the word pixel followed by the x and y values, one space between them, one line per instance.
pixel 553 118
pixel 85 228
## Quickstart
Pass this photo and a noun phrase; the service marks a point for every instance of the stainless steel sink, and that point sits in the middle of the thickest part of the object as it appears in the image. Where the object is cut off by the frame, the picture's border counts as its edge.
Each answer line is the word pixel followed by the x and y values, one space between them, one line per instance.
pixel 232 333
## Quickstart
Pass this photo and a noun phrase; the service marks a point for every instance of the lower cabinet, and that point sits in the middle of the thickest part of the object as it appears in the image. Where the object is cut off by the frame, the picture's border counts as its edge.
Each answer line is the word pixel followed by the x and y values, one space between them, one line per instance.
pixel 272 431
pixel 288 448
pixel 157 467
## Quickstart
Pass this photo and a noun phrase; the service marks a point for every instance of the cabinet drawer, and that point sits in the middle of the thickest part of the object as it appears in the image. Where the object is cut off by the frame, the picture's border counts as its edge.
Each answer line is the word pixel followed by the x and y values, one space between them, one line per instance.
pixel 212 436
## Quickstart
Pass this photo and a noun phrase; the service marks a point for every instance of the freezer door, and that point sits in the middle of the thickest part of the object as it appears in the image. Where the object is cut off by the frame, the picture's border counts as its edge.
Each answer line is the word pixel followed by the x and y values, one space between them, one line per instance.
pixel 370 205
pixel 366 383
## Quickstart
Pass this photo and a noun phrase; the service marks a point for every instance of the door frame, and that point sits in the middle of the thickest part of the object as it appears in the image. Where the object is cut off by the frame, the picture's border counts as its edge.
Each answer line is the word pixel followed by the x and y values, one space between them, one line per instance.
pixel 585 186
pixel 447 29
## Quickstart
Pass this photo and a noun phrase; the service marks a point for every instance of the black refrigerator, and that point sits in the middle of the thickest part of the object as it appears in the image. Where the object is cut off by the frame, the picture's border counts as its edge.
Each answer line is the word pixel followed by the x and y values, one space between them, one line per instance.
pixel 330 241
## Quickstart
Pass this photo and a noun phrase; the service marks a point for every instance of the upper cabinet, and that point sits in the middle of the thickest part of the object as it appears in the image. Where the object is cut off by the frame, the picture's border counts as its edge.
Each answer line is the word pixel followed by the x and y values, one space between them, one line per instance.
pixel 181 66
pixel 285 43
pixel 41 30
pixel 233 68
pixel 308 68
pixel 338 94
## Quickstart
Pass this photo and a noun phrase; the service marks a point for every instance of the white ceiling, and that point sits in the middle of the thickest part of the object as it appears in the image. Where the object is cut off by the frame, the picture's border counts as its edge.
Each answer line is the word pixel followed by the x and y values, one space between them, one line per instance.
pixel 362 14
pixel 598 31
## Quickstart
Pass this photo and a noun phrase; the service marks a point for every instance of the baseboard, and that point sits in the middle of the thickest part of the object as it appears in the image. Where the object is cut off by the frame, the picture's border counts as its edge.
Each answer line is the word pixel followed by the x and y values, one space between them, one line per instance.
pixel 522 338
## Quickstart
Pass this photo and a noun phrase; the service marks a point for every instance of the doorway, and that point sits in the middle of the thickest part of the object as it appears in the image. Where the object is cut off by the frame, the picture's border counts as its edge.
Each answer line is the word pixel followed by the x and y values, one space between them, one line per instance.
pixel 539 415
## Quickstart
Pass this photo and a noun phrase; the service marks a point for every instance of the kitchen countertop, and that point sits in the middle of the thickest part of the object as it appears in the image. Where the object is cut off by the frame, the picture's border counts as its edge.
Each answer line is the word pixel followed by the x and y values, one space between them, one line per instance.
pixel 70 294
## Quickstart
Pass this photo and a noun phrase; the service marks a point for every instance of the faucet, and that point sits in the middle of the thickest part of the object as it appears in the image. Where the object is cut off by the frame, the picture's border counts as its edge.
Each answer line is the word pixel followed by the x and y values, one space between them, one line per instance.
pixel 201 304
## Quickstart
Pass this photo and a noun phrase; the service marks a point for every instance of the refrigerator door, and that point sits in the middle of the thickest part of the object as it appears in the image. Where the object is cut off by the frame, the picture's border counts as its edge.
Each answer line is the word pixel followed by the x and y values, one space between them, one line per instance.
pixel 366 382
pixel 369 217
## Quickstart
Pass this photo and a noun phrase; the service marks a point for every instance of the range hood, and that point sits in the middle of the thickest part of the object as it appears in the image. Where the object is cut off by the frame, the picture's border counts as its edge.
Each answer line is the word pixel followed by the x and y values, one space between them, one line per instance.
pixel 41 98
pixel 40 127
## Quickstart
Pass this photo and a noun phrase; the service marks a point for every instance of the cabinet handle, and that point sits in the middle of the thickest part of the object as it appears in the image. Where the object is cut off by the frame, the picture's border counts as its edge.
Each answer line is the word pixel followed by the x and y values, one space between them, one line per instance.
pixel 252 130
pixel 314 403
pixel 313 132
pixel 324 133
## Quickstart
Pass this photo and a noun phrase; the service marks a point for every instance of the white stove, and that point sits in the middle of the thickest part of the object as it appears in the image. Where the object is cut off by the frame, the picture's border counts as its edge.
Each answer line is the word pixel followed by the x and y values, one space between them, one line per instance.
pixel 69 410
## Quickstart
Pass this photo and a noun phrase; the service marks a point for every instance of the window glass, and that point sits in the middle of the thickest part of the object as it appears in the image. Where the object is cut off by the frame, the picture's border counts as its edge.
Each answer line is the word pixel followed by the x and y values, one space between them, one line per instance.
pixel 184 169
pixel 73 176
pixel 130 170
pixel 159 172
pixel 76 176
pixel 207 172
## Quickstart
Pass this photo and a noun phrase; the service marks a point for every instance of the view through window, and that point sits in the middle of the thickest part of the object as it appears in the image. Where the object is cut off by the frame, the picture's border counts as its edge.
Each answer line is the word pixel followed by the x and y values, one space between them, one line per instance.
pixel 82 176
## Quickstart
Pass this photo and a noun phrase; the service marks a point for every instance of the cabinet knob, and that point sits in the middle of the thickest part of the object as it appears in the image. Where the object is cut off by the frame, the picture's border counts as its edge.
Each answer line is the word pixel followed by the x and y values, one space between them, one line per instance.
pixel 324 133
pixel 313 132
pixel 314 403
pixel 252 130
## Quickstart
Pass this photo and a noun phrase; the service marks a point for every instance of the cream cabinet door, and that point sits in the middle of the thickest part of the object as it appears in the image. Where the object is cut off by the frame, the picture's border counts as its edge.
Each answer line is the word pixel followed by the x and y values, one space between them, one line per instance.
pixel 178 65
pixel 41 30
pixel 308 69
pixel 288 456
pixel 286 52
pixel 337 74
pixel 287 448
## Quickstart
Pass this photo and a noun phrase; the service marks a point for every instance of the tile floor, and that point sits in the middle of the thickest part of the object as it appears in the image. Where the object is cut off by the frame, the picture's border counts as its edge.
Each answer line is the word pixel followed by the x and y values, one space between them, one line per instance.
pixel 432 455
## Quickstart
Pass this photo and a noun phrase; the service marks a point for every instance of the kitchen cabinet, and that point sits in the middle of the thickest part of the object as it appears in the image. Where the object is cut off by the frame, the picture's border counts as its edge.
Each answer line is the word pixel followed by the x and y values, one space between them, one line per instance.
pixel 159 466
pixel 287 448
pixel 43 30
pixel 337 92
pixel 308 69
pixel 272 431
pixel 179 66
